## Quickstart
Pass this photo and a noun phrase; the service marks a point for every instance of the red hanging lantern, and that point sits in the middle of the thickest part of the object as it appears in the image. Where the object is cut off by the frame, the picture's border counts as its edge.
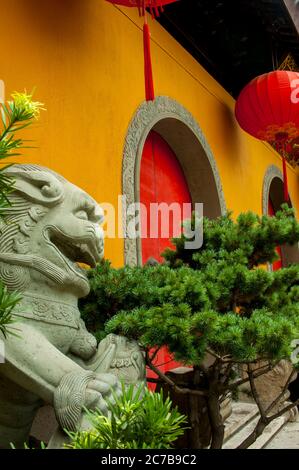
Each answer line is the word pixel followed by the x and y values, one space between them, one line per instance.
pixel 155 7
pixel 268 109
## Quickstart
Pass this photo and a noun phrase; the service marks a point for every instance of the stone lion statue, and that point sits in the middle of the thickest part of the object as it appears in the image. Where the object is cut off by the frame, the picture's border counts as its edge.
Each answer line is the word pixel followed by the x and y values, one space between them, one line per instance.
pixel 50 227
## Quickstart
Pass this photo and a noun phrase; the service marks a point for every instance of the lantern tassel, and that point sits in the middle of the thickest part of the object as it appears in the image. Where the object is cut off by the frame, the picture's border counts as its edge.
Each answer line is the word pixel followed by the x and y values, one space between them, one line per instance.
pixel 148 72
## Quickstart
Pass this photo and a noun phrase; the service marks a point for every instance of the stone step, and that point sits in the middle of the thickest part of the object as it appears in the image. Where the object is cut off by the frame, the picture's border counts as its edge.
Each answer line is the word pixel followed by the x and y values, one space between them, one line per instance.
pixel 244 425
pixel 287 438
pixel 242 414
pixel 270 431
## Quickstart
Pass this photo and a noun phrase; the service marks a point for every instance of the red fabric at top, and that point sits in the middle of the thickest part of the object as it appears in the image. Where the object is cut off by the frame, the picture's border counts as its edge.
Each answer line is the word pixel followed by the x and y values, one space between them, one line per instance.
pixel 139 3
pixel 155 6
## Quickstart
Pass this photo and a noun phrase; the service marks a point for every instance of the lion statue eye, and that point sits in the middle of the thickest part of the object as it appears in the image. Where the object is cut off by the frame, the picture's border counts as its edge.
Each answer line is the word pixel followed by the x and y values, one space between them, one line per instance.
pixel 82 215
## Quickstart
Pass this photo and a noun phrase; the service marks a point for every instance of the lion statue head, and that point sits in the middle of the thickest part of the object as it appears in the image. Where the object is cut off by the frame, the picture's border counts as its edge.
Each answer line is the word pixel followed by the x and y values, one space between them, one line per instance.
pixel 50 227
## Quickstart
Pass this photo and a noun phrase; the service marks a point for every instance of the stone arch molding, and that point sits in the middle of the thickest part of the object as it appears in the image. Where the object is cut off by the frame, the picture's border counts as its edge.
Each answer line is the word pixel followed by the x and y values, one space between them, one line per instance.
pixel 272 172
pixel 147 116
pixel 273 181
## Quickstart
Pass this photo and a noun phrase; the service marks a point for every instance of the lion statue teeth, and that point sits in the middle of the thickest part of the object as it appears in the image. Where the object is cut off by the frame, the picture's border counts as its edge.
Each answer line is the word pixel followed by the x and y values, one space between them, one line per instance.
pixel 50 227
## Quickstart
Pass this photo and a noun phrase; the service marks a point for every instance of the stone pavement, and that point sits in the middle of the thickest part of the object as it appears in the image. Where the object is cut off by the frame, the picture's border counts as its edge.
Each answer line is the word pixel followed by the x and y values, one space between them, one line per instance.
pixel 282 433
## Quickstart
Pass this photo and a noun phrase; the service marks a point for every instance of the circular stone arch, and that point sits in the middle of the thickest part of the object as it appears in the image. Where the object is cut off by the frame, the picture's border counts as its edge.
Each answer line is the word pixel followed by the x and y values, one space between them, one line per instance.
pixel 273 186
pixel 180 130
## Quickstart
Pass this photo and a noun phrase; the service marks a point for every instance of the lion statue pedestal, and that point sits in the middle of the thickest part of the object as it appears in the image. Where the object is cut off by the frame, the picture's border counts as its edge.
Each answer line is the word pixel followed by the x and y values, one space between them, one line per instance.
pixel 51 226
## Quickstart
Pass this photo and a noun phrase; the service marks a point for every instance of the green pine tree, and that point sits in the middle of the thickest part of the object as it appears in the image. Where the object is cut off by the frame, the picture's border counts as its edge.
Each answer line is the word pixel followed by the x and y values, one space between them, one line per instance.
pixel 219 299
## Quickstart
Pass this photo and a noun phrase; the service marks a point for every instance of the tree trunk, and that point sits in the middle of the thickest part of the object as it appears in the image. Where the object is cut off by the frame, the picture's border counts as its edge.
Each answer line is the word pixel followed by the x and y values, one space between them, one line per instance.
pixel 195 407
pixel 259 429
pixel 216 421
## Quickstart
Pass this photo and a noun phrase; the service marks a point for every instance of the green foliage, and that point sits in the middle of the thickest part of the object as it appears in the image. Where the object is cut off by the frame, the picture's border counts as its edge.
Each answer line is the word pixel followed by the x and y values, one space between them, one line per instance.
pixel 124 289
pixel 250 241
pixel 138 419
pixel 42 446
pixel 8 301
pixel 220 296
pixel 16 115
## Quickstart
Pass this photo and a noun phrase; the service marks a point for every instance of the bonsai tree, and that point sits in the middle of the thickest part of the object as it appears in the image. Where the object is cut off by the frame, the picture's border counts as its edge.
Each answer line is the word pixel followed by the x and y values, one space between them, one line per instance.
pixel 16 114
pixel 220 299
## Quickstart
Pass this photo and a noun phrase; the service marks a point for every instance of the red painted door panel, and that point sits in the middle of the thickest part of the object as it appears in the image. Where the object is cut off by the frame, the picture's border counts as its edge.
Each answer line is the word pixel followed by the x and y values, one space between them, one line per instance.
pixel 161 181
pixel 277 264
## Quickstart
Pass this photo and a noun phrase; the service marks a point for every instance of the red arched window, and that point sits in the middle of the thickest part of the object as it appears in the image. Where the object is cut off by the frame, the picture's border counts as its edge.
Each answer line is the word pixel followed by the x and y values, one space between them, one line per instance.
pixel 161 181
